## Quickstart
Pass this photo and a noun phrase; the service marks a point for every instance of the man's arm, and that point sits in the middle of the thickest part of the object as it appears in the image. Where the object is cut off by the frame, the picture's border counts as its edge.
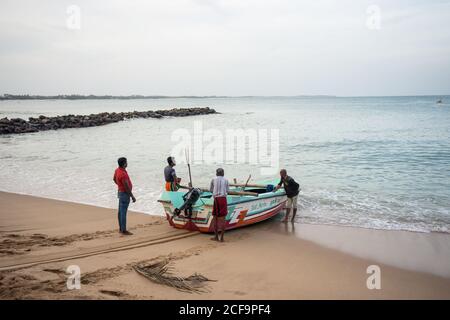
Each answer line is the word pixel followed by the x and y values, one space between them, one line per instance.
pixel 175 178
pixel 128 190
pixel 279 185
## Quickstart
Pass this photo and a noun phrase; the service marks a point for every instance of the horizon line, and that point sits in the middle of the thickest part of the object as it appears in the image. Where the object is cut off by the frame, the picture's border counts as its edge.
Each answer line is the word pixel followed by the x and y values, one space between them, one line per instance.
pixel 7 96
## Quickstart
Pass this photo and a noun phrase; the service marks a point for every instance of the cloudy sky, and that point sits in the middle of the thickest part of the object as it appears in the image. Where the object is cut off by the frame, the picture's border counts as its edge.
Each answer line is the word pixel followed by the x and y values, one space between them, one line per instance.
pixel 225 47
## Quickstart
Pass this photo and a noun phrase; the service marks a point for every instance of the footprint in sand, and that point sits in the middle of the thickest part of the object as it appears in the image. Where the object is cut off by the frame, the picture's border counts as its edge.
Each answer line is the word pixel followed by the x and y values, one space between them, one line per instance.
pixel 113 293
pixel 238 293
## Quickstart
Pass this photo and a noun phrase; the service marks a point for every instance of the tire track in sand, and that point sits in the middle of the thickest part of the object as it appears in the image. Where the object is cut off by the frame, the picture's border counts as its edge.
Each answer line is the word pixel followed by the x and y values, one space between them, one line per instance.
pixel 24 262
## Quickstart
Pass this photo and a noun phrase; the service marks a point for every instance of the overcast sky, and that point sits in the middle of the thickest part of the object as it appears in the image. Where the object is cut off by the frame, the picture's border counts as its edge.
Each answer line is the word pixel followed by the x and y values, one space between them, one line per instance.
pixel 225 47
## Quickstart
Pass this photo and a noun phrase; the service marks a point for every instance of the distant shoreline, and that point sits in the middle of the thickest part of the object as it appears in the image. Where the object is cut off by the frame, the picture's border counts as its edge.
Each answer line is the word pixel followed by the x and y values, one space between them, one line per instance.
pixel 9 97
pixel 95 97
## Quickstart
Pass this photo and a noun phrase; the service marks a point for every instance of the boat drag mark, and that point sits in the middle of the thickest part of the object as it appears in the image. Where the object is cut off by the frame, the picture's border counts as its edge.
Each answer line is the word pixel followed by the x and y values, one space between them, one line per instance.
pixel 25 262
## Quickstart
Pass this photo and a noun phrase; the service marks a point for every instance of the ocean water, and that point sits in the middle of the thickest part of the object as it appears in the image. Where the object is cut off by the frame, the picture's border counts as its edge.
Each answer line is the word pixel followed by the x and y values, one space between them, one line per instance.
pixel 374 162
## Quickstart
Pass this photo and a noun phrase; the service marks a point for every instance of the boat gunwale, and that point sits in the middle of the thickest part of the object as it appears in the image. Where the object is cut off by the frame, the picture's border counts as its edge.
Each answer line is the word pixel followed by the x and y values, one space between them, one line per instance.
pixel 244 200
pixel 268 196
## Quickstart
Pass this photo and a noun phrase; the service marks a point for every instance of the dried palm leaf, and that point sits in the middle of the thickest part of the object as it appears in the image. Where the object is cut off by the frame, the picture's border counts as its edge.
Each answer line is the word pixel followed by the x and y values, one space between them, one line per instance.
pixel 162 273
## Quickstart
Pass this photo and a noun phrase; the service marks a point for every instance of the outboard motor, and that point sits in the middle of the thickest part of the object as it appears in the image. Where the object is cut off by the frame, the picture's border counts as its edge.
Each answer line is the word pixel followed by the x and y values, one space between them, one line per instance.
pixel 189 198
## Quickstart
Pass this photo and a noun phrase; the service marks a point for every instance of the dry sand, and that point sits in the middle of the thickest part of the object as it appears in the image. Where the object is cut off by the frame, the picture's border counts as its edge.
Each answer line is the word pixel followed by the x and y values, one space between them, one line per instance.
pixel 40 238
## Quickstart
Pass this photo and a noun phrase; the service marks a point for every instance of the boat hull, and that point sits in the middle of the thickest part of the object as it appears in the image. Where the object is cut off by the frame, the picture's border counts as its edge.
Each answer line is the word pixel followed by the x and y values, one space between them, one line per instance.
pixel 241 212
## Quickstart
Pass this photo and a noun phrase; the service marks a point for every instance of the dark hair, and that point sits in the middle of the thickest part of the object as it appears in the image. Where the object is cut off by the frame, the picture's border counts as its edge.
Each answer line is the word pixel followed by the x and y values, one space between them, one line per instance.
pixel 220 172
pixel 169 161
pixel 121 161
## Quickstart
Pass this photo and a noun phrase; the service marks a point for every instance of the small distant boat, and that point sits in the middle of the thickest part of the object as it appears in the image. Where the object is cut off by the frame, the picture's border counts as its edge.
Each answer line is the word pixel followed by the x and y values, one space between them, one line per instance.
pixel 439 101
pixel 247 204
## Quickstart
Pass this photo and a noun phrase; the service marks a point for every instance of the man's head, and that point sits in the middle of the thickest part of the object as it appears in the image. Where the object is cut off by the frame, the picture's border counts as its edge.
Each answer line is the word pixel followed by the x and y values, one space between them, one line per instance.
pixel 283 173
pixel 122 162
pixel 220 172
pixel 171 161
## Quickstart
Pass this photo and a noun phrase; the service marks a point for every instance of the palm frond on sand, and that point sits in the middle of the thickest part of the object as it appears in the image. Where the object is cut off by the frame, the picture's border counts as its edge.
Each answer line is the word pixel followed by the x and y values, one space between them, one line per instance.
pixel 162 273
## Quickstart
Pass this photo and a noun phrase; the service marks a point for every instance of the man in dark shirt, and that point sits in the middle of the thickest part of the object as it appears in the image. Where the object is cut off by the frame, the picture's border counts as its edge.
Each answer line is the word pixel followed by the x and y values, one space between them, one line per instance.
pixel 170 176
pixel 292 190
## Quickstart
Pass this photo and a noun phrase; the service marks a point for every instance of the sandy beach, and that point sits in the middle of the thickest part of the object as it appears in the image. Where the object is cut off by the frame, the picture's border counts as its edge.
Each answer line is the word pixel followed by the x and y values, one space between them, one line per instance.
pixel 40 238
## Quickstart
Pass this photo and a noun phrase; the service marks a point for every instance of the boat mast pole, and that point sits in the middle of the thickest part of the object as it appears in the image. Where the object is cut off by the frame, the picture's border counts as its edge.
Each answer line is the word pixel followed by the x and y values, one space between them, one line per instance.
pixel 246 183
pixel 186 151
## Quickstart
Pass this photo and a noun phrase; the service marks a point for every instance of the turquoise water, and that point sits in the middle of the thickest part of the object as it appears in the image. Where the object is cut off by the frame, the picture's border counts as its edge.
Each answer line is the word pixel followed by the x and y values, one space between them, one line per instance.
pixel 376 162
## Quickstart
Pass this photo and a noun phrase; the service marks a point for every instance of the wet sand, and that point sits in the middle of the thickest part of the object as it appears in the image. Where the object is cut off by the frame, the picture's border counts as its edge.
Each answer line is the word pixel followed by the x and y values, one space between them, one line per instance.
pixel 40 238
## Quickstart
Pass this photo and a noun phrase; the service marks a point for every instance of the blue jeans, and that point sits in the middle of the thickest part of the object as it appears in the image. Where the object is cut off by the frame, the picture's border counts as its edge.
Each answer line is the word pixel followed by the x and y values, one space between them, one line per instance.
pixel 124 201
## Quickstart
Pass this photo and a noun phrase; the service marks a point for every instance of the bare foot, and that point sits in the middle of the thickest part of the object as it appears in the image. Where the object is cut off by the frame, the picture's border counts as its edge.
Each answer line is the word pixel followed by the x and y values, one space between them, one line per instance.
pixel 214 239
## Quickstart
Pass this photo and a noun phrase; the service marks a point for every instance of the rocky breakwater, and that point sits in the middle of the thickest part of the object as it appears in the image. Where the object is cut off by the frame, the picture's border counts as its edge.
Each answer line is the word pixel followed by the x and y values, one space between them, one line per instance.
pixel 43 123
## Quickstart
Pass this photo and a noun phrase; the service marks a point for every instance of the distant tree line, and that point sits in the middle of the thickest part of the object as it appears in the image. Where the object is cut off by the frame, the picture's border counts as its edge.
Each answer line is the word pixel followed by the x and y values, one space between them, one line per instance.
pixel 91 96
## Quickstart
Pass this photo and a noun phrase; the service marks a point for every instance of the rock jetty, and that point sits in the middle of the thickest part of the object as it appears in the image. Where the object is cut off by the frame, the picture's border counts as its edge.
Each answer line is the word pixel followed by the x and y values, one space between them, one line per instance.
pixel 43 123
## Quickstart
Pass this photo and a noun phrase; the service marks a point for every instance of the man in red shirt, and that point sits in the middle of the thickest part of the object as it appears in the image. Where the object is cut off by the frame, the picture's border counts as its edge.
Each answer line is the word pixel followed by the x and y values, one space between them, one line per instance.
pixel 124 193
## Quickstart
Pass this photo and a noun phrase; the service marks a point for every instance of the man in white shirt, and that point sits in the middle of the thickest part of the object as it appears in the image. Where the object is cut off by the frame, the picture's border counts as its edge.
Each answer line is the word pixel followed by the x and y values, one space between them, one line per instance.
pixel 219 188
